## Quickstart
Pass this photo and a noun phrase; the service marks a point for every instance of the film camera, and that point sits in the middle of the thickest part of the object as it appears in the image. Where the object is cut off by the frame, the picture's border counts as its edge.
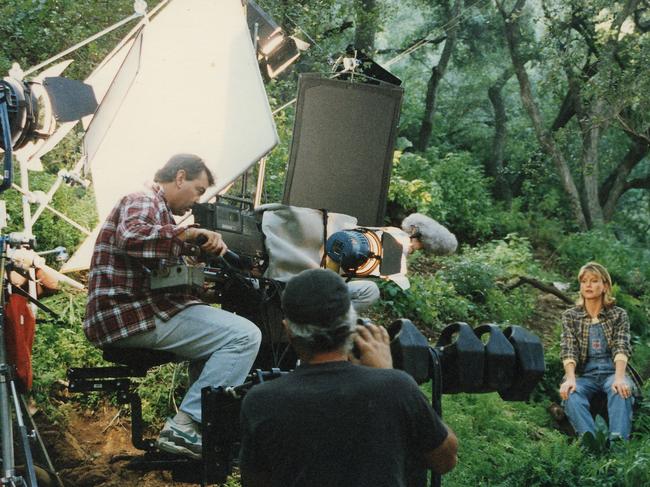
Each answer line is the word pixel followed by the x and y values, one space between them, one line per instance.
pixel 510 362
pixel 463 360
pixel 484 359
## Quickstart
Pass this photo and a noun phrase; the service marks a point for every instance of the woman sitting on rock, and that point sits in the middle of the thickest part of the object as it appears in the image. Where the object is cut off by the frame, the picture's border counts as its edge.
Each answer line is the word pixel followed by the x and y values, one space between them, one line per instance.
pixel 595 347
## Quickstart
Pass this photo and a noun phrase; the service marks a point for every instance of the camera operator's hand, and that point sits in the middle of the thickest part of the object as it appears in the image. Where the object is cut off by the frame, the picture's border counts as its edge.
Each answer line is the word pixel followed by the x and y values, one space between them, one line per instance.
pixel 373 344
pixel 213 244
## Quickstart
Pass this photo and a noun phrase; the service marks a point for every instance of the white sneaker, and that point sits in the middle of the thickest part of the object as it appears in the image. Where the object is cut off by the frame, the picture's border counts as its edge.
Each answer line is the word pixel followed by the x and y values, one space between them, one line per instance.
pixel 181 439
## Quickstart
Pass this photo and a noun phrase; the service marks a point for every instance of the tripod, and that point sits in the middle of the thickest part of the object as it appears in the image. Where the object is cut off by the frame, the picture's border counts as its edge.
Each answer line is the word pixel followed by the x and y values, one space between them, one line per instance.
pixel 14 414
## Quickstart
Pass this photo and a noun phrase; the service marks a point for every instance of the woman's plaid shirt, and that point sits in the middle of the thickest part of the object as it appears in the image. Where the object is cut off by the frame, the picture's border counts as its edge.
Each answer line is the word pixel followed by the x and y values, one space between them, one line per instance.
pixel 139 235
pixel 575 333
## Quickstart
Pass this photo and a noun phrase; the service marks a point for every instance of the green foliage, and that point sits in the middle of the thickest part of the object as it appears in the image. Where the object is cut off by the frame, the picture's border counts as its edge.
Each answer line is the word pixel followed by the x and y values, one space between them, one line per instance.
pixel 597 442
pixel 464 287
pixel 508 444
pixel 472 279
pixel 522 450
pixel 161 391
pixel 430 302
pixel 628 264
pixel 51 231
pixel 509 256
pixel 33 31
pixel 450 188
pixel 58 345
pixel 548 388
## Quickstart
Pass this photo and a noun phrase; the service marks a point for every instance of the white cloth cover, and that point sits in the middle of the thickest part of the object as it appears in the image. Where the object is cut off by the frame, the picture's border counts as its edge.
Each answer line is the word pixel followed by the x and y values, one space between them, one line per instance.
pixel 294 240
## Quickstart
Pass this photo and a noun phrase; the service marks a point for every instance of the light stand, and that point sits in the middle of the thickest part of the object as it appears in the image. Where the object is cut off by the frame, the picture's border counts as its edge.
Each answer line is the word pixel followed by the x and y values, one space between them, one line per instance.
pixel 12 405
pixel 8 394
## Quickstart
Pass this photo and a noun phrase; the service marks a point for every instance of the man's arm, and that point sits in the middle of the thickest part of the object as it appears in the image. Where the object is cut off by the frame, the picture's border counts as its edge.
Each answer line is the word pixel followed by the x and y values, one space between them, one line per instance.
pixel 373 343
pixel 444 458
pixel 141 232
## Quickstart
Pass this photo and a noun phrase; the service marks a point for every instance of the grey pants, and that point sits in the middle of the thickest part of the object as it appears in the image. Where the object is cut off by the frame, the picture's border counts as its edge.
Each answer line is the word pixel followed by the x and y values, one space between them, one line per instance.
pixel 363 294
pixel 223 343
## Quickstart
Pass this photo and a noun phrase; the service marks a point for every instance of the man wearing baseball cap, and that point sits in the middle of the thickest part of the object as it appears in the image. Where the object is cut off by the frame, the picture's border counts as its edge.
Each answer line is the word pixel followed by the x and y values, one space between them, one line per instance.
pixel 334 422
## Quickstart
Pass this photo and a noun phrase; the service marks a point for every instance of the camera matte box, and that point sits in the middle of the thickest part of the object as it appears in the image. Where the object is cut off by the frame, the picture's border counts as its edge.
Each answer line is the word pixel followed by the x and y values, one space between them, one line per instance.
pixel 342 148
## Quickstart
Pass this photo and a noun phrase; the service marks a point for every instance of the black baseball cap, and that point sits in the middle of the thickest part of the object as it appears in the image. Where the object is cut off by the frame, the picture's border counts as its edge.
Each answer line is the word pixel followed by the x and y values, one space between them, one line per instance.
pixel 315 297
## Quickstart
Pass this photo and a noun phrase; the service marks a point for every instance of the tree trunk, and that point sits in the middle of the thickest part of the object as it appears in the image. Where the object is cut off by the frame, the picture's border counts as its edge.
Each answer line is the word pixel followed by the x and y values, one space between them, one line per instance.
pixel 590 127
pixel 545 139
pixel 366 28
pixel 495 166
pixel 437 73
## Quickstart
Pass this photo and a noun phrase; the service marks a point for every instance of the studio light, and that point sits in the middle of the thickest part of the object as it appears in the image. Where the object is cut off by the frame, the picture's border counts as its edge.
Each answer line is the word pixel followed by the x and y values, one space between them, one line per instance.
pixel 30 115
pixel 34 107
pixel 358 251
pixel 275 50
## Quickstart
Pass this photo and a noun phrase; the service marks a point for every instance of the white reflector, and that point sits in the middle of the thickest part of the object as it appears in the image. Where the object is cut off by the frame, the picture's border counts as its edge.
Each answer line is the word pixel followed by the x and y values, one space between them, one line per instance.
pixel 197 89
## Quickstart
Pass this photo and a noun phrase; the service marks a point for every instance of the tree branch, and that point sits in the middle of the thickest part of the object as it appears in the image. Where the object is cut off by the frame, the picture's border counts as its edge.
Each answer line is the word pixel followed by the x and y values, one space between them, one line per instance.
pixel 638 183
pixel 437 73
pixel 422 40
pixel 616 184
pixel 545 139
pixel 547 288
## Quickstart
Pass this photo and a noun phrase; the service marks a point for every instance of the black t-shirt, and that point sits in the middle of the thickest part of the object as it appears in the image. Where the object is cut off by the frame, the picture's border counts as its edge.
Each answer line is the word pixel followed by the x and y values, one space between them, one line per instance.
pixel 337 424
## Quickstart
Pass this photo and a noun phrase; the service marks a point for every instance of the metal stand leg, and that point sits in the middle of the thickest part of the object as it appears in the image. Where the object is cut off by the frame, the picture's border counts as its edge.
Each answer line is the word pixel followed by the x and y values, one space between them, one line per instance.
pixel 46 457
pixel 24 437
pixel 8 460
pixel 436 399
pixel 11 409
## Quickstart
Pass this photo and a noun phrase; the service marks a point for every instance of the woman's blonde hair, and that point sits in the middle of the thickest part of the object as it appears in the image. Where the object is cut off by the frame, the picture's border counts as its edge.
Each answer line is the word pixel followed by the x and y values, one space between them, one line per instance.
pixel 599 270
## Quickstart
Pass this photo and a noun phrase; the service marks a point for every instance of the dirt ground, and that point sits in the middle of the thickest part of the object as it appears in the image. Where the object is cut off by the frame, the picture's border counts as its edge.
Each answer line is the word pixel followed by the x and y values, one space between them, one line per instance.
pixel 549 308
pixel 91 451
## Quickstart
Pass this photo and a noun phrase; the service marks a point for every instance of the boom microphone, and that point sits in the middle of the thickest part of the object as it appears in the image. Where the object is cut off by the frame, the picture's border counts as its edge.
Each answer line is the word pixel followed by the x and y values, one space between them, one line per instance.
pixel 435 238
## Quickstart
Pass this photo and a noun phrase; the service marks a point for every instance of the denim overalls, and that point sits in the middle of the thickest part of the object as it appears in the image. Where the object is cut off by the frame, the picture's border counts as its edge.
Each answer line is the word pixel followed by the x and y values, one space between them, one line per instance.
pixel 598 375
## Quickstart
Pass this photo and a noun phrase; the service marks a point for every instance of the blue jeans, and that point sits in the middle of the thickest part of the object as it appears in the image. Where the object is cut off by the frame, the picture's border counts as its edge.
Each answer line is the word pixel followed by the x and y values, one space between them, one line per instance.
pixel 223 344
pixel 619 410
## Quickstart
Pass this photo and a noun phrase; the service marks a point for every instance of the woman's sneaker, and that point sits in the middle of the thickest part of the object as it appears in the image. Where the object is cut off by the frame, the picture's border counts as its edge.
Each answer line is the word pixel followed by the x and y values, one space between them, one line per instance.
pixel 180 439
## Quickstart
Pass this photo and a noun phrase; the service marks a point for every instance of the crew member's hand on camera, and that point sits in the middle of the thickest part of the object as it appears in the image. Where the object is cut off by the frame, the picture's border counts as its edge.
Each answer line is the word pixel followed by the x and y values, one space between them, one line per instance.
pixel 211 241
pixel 373 344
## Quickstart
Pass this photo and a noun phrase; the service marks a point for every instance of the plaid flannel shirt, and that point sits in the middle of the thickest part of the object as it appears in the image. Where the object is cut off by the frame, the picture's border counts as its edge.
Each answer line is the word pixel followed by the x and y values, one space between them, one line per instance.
pixel 574 341
pixel 139 235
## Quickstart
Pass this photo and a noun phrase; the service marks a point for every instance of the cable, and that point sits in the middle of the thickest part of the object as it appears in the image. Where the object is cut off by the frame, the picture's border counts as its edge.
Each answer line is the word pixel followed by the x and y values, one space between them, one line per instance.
pixel 457 19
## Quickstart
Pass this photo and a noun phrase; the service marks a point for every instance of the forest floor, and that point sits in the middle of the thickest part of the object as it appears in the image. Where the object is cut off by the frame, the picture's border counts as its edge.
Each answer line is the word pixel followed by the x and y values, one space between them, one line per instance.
pixel 90 449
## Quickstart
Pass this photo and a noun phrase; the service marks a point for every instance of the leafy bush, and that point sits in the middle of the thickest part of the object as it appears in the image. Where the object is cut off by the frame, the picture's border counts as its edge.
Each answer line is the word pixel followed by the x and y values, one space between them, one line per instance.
pixel 510 444
pixel 508 257
pixel 471 279
pixel 452 189
pixel 59 344
pixel 637 313
pixel 463 287
pixel 628 265
pixel 431 302
pixel 510 308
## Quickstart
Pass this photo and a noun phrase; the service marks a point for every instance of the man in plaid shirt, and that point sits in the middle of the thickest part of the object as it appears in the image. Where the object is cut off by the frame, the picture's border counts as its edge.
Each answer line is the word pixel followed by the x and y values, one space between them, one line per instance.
pixel 140 235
